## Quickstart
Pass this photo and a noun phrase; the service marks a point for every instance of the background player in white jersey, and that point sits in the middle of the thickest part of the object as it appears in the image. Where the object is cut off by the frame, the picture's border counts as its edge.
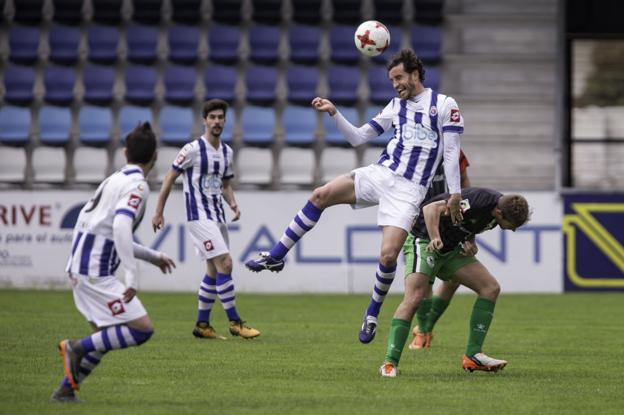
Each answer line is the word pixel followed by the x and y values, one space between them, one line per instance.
pixel 427 127
pixel 102 239
pixel 207 167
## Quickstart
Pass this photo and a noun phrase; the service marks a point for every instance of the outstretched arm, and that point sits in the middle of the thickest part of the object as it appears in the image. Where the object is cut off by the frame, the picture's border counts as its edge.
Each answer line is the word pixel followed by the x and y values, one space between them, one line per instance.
pixel 354 135
pixel 158 221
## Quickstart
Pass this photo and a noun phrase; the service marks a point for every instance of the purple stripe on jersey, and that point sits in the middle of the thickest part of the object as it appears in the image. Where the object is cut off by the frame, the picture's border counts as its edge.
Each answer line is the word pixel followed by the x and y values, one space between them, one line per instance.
pixel 180 169
pixel 398 150
pixel 430 165
pixel 376 126
pixel 203 170
pixel 413 158
pixel 105 339
pixel 225 160
pixel 85 256
pixel 454 128
pixel 218 207
pixel 131 171
pixel 188 206
pixel 113 261
pixel 120 337
pixel 105 258
pixel 126 212
pixel 192 211
pixel 76 242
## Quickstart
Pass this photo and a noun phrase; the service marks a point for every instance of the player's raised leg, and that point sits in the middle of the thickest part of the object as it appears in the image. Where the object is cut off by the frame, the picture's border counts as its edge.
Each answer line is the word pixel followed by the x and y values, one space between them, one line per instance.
pixel 338 191
pixel 391 244
pixel 476 277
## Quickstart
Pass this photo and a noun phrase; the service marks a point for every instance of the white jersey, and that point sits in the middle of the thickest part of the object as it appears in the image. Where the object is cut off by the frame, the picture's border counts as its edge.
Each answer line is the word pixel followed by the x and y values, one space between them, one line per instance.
pixel 417 146
pixel 93 248
pixel 204 168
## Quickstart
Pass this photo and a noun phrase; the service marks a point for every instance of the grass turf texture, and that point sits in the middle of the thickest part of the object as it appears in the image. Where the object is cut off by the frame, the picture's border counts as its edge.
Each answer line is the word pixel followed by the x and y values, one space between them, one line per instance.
pixel 564 353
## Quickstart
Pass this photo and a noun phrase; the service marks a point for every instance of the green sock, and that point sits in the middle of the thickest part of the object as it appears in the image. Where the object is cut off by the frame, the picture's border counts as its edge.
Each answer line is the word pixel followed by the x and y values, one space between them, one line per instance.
pixel 423 313
pixel 482 313
pixel 399 330
pixel 438 306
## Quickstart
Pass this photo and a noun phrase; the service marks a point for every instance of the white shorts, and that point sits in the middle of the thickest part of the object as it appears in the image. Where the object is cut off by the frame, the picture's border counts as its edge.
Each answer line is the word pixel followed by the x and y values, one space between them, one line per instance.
pixel 99 300
pixel 210 238
pixel 398 198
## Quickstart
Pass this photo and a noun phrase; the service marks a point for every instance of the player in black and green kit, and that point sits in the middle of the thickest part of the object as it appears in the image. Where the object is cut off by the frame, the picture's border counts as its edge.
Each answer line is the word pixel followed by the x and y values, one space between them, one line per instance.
pixel 447 251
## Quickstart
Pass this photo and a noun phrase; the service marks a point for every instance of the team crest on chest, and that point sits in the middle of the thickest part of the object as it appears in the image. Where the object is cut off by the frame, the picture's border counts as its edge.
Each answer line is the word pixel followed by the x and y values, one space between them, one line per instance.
pixel 433 111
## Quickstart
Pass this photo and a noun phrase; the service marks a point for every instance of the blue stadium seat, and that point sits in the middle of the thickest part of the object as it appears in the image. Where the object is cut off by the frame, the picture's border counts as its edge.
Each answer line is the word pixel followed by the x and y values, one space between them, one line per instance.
pixel 304 43
pixel 432 78
pixel 107 11
pixel 59 84
pixel 333 137
pixel 307 11
pixel 379 85
pixel 395 45
pixel 183 43
pixel 140 83
pixel 14 126
pixel 103 42
pixel 129 117
pixel 147 11
pixel 98 84
pixel 142 41
pixel 343 49
pixel 428 11
pixel 64 42
pixel 176 124
pixel 220 82
pixel 68 12
pixel 24 42
pixel 267 11
pixel 227 11
pixel 257 124
pixel 179 84
pixel 95 124
pixel 299 126
pixel 390 12
pixel 223 43
pixel 54 125
pixel 383 139
pixel 302 82
pixel 264 43
pixel 343 84
pixel 261 82
pixel 427 43
pixel 186 11
pixel 346 11
pixel 18 84
pixel 28 12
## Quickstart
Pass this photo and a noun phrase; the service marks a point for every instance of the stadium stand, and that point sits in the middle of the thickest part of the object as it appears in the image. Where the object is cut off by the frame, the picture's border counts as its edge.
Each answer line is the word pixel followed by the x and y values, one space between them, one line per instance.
pixel 267 11
pixel 64 42
pixel 341 43
pixel 103 42
pixel 68 12
pixel 395 45
pixel 140 82
pixel 304 43
pixel 307 11
pixel 261 82
pixel 142 41
pixel 223 43
pixel 18 84
pixel 390 12
pixel 264 44
pixel 180 84
pixel 220 81
pixel 343 84
pixel 98 84
pixel 227 11
pixel 183 44
pixel 302 83
pixel 427 42
pixel 24 43
pixel 176 124
pixel 347 11
pixel 59 84
pixel 28 12
pixel 107 11
pixel 15 124
pixel 147 12
pixel 94 125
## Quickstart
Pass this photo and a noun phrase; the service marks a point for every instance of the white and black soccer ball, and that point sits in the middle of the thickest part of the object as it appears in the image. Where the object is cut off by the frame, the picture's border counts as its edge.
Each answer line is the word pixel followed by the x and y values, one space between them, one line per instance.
pixel 372 38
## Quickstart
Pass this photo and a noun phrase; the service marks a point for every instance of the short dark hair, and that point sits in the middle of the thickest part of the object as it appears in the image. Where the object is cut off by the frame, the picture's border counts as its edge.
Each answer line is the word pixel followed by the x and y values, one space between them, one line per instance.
pixel 515 209
pixel 141 144
pixel 214 104
pixel 410 62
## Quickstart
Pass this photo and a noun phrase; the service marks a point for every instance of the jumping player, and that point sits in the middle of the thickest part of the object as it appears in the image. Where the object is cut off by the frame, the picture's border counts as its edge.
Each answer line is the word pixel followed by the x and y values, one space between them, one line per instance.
pixel 102 240
pixel 427 126
pixel 207 167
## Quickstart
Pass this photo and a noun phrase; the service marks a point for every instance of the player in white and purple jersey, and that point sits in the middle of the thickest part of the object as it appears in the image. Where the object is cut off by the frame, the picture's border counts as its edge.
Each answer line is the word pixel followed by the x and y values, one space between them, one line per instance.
pixel 206 167
pixel 427 126
pixel 102 240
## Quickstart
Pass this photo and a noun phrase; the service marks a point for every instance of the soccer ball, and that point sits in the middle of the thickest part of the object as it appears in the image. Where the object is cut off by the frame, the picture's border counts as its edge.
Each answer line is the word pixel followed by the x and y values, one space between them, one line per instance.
pixel 372 38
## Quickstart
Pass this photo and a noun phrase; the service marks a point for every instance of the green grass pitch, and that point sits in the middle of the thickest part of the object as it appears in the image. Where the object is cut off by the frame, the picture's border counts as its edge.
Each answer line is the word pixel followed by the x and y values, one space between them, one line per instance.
pixel 565 354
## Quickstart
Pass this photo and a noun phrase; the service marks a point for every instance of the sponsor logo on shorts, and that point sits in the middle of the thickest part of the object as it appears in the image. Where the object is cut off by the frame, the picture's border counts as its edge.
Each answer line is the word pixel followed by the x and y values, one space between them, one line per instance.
pixel 134 201
pixel 455 117
pixel 208 245
pixel 430 261
pixel 116 307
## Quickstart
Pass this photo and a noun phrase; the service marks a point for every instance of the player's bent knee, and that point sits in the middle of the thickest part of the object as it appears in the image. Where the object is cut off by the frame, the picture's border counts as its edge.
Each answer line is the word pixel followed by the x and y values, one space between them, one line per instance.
pixel 141 336
pixel 491 291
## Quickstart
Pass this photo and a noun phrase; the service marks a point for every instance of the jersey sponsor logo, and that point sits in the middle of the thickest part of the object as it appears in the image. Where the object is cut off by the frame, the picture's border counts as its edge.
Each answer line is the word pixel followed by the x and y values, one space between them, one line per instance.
pixel 211 183
pixel 134 201
pixel 116 307
pixel 208 245
pixel 433 111
pixel 455 117
pixel 420 135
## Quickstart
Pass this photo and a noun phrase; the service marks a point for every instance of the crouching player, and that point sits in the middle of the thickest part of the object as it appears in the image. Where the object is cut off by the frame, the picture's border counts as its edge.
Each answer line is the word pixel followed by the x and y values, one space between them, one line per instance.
pixel 447 251
pixel 102 239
